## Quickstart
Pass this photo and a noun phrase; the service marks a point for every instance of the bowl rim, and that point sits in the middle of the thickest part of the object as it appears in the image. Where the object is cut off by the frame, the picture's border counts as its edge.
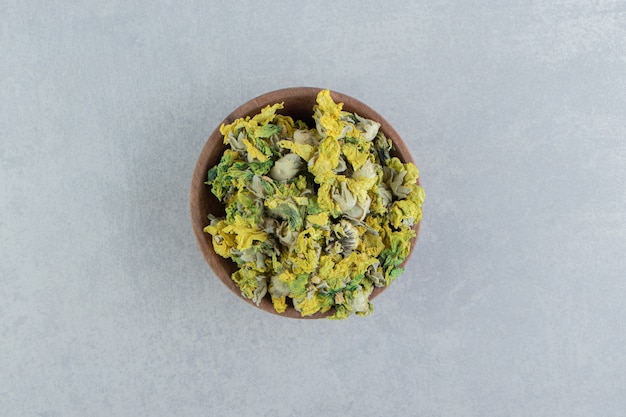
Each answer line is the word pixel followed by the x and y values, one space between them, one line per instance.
pixel 204 162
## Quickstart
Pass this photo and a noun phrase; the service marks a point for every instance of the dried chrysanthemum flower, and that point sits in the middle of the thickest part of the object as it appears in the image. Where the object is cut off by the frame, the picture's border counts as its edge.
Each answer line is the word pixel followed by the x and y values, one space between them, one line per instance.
pixel 316 218
pixel 287 167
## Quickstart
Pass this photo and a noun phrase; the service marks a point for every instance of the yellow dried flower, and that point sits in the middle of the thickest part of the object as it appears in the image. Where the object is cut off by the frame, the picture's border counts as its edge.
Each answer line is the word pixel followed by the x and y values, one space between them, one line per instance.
pixel 315 217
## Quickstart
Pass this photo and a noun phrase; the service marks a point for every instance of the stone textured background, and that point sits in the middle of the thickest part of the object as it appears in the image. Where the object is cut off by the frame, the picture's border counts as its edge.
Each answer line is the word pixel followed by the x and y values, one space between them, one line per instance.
pixel 512 305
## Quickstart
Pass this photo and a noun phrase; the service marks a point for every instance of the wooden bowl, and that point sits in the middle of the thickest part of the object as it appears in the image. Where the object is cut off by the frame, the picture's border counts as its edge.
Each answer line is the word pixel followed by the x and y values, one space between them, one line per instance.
pixel 298 103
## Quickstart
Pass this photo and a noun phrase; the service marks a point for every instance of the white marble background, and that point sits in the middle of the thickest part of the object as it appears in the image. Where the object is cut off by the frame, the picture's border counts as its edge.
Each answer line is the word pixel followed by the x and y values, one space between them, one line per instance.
pixel 514 303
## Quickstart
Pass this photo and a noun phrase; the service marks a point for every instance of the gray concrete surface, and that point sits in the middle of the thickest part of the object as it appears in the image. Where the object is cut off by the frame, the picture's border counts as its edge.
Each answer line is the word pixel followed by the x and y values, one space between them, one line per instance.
pixel 512 305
